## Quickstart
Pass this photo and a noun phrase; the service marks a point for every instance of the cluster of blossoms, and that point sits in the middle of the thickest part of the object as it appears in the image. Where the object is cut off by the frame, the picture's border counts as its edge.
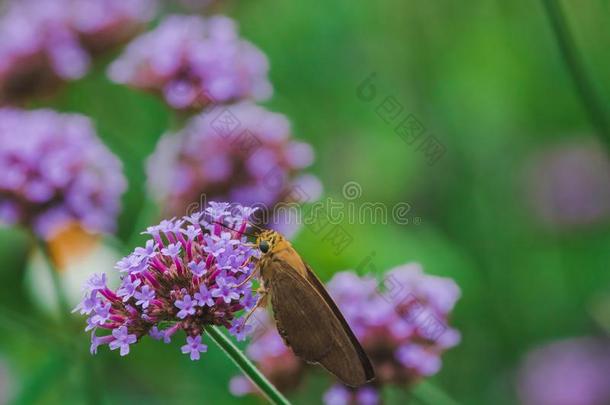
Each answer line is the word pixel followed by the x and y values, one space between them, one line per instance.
pixel 188 275
pixel 568 184
pixel 194 62
pixel 568 372
pixel 56 171
pixel 402 324
pixel 45 42
pixel 241 153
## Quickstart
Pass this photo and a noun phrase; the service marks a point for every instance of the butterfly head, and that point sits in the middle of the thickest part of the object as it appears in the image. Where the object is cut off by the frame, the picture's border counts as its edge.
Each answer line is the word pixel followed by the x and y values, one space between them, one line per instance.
pixel 267 239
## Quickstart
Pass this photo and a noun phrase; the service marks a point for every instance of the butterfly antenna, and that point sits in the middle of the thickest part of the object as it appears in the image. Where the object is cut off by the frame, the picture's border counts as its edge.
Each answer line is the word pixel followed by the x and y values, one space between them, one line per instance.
pixel 233 229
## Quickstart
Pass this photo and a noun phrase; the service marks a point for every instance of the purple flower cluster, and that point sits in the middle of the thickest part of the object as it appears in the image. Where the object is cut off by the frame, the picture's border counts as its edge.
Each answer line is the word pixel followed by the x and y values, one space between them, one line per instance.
pixel 241 153
pixel 194 62
pixel 568 184
pixel 56 171
pixel 405 315
pixel 190 274
pixel 45 42
pixel 568 372
pixel 402 324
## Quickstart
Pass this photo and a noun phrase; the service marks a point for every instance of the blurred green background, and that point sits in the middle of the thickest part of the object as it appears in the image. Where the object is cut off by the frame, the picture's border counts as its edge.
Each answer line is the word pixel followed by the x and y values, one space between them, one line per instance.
pixel 485 77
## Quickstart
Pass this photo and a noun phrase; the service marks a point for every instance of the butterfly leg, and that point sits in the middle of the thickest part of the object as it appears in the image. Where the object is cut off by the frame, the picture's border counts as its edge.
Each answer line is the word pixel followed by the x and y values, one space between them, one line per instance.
pixel 260 303
pixel 250 276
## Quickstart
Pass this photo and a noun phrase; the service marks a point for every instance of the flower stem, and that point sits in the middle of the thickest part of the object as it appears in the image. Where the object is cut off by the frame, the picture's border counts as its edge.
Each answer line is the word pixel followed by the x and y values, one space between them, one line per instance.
pixel 246 366
pixel 576 68
pixel 64 307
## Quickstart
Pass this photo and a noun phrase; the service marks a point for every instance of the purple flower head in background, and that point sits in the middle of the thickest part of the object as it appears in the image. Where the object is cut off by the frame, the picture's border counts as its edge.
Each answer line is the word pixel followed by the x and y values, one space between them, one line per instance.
pixel 56 171
pixel 567 372
pixel 252 159
pixel 160 294
pixel 194 61
pixel 568 184
pixel 45 42
pixel 103 24
pixel 402 323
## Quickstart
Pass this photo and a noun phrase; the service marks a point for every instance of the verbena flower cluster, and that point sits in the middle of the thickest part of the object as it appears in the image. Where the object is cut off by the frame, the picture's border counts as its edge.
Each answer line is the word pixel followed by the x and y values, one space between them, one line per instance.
pixel 567 184
pixel 55 170
pixel 193 62
pixel 567 372
pixel 401 322
pixel 188 275
pixel 241 152
pixel 45 42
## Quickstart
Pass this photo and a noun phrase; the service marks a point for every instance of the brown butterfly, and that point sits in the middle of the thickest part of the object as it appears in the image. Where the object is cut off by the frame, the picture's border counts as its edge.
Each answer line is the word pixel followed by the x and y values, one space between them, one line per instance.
pixel 306 316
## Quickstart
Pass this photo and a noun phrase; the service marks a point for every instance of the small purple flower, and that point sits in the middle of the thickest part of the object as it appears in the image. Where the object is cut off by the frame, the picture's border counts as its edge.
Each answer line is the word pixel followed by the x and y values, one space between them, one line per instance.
pixel 217 210
pixel 367 396
pixel 240 386
pixel 152 230
pixel 144 296
pixel 418 358
pixel 246 212
pixel 156 334
pixel 229 261
pixel 198 269
pixel 227 239
pixel 122 340
pixel 195 218
pixel 88 304
pixel 239 330
pixel 102 314
pixel 128 288
pixel 96 341
pixel 194 346
pixel 224 290
pixel 91 324
pixel 186 306
pixel 126 264
pixel 96 282
pixel 214 245
pixel 249 300
pixel 191 232
pixel 166 225
pixel 147 252
pixel 337 395
pixel 204 297
pixel 172 250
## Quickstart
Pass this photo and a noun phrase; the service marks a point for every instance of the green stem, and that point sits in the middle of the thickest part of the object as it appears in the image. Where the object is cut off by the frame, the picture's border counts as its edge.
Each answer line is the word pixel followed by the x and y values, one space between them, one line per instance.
pixel 427 393
pixel 246 366
pixel 576 67
pixel 64 306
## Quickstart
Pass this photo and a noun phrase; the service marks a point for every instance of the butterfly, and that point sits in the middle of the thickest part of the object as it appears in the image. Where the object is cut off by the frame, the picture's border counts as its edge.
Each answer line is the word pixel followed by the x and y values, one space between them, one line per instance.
pixel 306 316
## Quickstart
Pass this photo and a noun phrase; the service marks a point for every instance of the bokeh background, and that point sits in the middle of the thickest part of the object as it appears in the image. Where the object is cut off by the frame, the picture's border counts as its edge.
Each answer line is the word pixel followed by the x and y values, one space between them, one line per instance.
pixel 500 211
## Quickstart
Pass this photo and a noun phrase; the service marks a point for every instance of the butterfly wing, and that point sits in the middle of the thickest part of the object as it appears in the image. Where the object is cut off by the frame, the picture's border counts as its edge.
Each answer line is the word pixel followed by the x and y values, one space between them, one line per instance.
pixel 310 323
